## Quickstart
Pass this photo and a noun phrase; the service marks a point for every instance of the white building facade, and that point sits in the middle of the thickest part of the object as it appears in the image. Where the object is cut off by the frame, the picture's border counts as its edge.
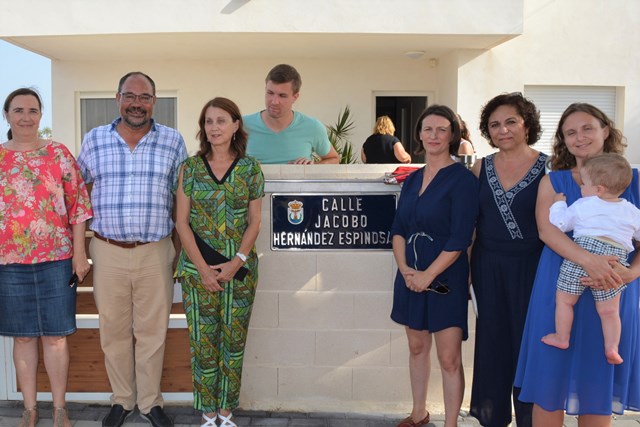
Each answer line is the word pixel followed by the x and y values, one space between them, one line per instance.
pixel 349 52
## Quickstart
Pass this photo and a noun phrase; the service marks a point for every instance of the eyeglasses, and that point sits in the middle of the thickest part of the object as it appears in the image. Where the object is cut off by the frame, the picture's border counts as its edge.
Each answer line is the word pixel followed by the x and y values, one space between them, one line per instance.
pixel 438 287
pixel 129 97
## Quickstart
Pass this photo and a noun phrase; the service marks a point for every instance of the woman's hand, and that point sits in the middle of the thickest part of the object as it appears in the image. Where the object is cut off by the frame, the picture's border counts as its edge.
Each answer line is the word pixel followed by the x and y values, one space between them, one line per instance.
pixel 420 281
pixel 559 197
pixel 597 267
pixel 79 262
pixel 407 274
pixel 228 269
pixel 601 271
pixel 81 267
pixel 210 279
pixel 626 274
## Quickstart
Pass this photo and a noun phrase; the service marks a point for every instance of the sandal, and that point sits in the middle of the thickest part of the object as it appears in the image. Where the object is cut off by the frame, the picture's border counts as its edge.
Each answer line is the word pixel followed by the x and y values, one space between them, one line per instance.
pixel 30 417
pixel 208 421
pixel 226 421
pixel 61 418
pixel 408 422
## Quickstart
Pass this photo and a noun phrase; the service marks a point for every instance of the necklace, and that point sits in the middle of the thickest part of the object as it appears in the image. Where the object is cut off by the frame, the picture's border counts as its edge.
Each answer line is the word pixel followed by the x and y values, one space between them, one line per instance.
pixel 428 173
pixel 428 176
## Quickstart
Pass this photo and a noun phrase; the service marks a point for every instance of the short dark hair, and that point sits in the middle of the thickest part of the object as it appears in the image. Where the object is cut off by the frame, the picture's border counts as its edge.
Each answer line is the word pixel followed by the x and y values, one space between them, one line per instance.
pixel 18 92
pixel 447 113
pixel 525 108
pixel 285 73
pixel 137 73
pixel 238 142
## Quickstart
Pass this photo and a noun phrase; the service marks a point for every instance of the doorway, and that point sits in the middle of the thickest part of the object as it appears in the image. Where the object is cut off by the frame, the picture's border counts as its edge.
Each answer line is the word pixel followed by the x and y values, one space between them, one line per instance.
pixel 404 112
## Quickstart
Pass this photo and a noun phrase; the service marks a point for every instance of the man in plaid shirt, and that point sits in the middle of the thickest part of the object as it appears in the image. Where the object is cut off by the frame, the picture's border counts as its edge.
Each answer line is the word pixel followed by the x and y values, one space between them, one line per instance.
pixel 133 164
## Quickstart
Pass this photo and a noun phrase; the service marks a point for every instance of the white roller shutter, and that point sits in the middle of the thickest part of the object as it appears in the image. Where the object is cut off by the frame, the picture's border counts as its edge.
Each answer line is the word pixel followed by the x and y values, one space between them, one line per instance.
pixel 553 100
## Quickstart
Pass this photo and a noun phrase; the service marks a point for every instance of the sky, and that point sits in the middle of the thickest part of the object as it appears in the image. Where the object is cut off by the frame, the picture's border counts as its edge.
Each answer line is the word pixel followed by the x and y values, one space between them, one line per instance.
pixel 20 68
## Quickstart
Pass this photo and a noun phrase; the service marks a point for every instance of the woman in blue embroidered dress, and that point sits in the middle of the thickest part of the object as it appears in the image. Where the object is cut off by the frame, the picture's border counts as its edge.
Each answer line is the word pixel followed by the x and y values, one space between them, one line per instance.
pixel 505 254
pixel 431 232
pixel 579 380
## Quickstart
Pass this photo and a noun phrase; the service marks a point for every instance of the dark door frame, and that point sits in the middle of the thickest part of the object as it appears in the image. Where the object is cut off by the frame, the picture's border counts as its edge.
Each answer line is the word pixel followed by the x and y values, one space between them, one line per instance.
pixel 403 108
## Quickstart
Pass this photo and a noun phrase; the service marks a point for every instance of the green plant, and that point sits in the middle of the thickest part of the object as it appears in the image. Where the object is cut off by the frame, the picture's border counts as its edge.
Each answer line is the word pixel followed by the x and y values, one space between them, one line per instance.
pixel 339 134
pixel 45 133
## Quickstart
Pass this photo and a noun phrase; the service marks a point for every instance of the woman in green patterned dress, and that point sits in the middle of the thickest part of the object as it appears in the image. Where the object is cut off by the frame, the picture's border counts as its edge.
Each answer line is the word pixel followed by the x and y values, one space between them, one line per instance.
pixel 219 199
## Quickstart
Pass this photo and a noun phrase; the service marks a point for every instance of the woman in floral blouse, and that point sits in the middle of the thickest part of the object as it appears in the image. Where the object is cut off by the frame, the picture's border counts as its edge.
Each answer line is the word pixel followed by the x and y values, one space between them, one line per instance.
pixel 43 208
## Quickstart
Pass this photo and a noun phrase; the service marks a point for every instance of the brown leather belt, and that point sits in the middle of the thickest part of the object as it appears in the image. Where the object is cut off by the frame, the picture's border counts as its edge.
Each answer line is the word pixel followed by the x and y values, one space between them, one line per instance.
pixel 126 245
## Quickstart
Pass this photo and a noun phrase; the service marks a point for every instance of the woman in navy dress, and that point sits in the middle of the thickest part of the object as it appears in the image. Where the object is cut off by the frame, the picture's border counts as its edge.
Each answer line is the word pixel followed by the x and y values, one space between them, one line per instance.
pixel 579 380
pixel 431 231
pixel 505 254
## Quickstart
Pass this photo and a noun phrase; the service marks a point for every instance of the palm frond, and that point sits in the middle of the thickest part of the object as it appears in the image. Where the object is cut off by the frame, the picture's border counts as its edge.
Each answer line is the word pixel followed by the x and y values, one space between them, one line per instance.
pixel 339 134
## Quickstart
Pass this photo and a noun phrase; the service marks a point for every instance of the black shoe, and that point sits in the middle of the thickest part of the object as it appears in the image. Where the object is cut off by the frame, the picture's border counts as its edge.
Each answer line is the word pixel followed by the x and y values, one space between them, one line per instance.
pixel 115 417
pixel 158 418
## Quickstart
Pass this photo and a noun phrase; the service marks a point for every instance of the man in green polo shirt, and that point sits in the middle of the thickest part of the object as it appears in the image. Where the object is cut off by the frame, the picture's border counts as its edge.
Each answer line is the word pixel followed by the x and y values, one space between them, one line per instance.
pixel 278 134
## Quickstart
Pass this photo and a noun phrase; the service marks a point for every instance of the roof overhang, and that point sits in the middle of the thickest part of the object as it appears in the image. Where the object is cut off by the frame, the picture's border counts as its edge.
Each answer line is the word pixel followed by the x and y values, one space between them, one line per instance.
pixel 217 46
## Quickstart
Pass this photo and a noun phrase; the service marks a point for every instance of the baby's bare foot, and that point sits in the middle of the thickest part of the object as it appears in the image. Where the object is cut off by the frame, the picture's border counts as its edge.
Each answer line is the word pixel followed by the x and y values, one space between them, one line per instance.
pixel 613 357
pixel 555 341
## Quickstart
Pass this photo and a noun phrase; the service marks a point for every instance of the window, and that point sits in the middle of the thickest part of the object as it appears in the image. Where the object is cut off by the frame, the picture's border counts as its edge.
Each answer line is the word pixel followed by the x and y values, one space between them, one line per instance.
pixel 101 111
pixel 553 100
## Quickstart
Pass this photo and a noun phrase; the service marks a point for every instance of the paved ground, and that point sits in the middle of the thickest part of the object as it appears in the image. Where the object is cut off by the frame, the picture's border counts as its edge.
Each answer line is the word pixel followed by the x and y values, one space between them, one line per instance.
pixel 90 415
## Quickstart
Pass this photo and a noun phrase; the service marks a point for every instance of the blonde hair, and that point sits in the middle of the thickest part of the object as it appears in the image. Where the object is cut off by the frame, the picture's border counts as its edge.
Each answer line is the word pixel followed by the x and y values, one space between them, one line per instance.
pixel 610 170
pixel 384 126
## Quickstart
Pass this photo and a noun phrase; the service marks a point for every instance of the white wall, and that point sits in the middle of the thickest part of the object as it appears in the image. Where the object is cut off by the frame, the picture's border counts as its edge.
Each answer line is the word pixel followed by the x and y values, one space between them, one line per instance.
pixel 320 337
pixel 569 42
pixel 327 86
pixel 322 16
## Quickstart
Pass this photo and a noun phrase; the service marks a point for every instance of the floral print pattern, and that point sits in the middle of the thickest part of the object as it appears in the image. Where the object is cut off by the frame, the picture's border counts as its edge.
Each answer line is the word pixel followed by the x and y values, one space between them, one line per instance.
pixel 42 194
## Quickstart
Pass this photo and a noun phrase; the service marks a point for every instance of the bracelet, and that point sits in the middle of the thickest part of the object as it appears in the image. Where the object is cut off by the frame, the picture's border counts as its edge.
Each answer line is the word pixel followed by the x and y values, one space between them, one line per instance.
pixel 242 257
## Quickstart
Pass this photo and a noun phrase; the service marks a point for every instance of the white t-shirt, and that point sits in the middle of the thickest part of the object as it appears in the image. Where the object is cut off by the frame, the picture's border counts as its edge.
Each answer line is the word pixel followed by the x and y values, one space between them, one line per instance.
pixel 593 217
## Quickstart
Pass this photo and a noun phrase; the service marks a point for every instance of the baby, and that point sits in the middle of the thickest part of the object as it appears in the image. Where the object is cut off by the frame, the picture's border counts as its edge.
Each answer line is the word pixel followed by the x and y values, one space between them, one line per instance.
pixel 603 224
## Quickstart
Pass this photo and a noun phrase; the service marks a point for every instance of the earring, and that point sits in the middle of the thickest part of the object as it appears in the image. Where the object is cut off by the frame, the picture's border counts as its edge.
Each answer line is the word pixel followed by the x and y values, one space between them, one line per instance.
pixel 234 137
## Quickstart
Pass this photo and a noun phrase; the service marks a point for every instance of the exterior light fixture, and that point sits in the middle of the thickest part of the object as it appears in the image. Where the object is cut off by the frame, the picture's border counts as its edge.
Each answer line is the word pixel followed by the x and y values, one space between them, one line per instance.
pixel 414 54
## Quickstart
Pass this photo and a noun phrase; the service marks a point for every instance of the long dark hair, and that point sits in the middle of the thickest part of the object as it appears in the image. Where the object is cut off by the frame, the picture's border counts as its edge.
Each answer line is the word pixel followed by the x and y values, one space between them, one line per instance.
pixel 21 91
pixel 238 142
pixel 562 159
pixel 447 113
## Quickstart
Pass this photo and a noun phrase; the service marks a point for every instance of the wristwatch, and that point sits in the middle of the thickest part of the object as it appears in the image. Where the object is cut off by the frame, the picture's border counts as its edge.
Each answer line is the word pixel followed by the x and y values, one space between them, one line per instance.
pixel 242 257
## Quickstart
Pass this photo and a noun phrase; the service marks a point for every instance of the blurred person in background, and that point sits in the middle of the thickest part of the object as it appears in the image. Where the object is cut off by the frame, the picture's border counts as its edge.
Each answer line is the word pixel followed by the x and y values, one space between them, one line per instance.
pixel 383 146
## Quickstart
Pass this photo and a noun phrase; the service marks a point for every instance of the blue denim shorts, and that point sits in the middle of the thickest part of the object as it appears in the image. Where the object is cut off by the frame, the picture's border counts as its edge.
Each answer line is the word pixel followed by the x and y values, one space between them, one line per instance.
pixel 36 300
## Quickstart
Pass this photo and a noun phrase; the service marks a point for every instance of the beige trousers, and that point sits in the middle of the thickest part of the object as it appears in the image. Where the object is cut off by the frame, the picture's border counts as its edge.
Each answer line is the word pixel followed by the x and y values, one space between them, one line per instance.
pixel 133 290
